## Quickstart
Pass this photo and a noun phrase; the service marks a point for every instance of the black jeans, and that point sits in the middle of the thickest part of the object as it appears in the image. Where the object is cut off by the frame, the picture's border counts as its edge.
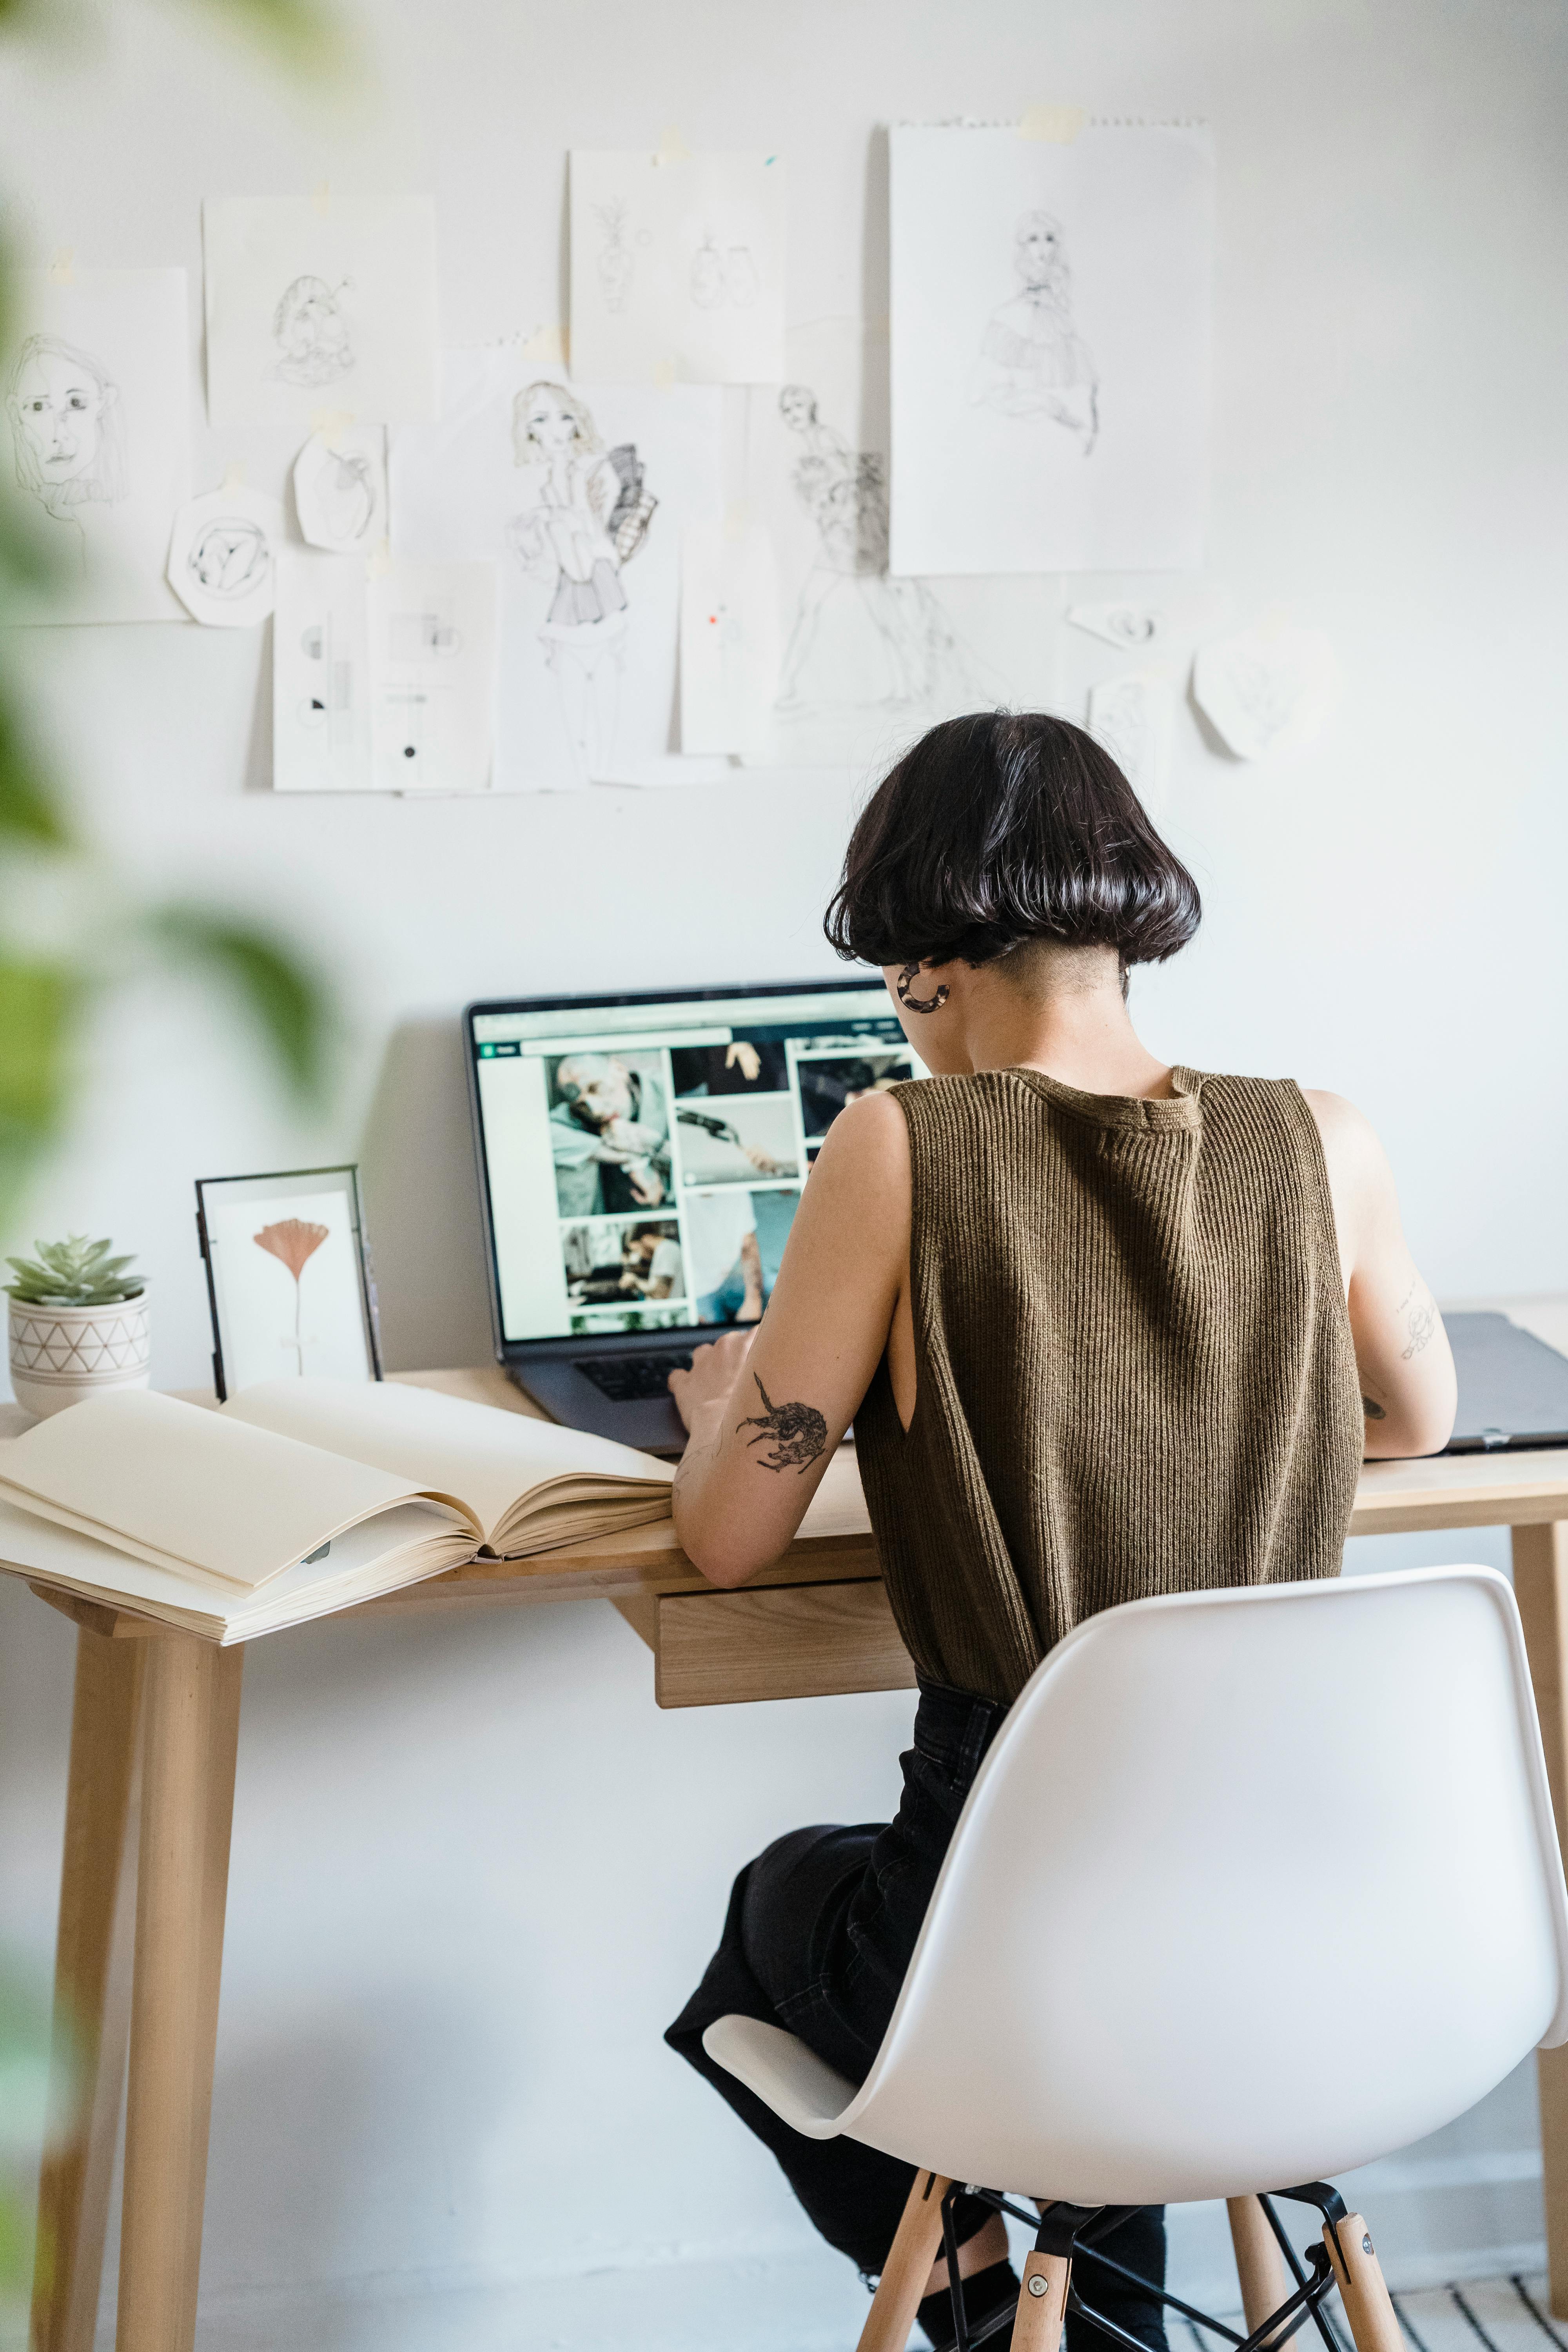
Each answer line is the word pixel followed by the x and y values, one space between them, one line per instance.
pixel 820 1931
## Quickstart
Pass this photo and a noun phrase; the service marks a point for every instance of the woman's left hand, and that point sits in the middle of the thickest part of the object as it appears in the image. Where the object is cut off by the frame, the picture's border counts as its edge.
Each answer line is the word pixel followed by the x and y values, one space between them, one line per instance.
pixel 713 1375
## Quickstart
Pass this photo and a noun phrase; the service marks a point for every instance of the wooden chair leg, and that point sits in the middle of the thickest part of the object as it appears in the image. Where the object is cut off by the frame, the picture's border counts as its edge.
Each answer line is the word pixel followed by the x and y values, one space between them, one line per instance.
pixel 1042 2304
pixel 93 1989
pixel 1358 2274
pixel 915 2247
pixel 1259 2264
pixel 187 1801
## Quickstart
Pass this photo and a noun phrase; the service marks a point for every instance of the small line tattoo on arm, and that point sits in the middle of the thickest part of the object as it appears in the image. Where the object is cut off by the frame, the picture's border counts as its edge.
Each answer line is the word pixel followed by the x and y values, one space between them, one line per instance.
pixel 797 1432
pixel 1373 1409
pixel 1422 1324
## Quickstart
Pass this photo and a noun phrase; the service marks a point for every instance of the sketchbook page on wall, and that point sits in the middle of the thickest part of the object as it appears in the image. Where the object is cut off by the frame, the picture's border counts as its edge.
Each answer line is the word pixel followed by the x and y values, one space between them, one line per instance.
pixel 313 305
pixel 321 674
pixel 1269 688
pixel 865 661
pixel 223 556
pixel 678 268
pixel 1135 716
pixel 340 489
pixel 433 675
pixel 579 495
pixel 96 369
pixel 1050 348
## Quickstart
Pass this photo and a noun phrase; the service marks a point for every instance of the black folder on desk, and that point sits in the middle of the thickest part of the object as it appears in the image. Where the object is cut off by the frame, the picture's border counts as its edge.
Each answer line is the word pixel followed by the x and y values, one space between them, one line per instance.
pixel 1513 1388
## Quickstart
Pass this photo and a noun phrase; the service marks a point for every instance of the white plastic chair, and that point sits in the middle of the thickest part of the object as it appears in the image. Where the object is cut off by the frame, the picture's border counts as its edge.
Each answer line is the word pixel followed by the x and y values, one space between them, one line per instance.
pixel 1252 1887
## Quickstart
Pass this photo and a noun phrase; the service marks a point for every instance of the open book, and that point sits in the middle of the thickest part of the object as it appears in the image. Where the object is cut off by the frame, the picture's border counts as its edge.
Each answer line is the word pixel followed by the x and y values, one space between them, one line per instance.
pixel 298 1497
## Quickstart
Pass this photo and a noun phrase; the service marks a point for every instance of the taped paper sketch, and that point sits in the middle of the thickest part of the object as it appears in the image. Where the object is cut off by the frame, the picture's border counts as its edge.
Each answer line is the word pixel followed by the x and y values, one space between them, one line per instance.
pixel 580 496
pixel 1267 689
pixel 1032 361
pixel 221 557
pixel 340 489
pixel 864 661
pixel 1059 425
pixel 1129 625
pixel 676 267
pixel 95 382
pixel 384 678
pixel 311 334
pixel 303 299
pixel 1183 611
pixel 1134 717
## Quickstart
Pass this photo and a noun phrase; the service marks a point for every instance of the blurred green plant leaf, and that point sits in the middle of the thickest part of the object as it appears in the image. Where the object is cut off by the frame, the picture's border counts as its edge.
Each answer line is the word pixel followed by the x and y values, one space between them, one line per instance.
pixel 288 1001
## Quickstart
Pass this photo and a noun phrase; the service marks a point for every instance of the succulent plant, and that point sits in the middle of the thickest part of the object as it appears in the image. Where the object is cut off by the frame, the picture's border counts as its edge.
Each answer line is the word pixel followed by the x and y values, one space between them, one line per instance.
pixel 73 1273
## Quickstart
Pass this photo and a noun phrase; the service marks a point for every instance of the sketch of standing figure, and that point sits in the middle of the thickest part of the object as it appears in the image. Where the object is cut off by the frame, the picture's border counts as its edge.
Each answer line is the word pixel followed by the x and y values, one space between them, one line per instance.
pixel 845 492
pixel 311 334
pixel 1033 362
pixel 590 515
pixel 66 430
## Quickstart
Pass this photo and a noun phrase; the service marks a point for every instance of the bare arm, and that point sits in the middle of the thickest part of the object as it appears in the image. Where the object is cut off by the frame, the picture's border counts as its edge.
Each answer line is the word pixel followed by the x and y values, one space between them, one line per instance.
pixel 766 1410
pixel 1408 1393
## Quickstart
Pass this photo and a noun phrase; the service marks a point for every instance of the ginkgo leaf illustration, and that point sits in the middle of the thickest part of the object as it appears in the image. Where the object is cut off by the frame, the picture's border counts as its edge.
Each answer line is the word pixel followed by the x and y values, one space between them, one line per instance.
pixel 293 1241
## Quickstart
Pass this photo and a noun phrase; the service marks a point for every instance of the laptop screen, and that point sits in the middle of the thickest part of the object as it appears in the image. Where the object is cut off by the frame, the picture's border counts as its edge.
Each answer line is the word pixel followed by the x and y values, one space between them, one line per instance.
pixel 643 1157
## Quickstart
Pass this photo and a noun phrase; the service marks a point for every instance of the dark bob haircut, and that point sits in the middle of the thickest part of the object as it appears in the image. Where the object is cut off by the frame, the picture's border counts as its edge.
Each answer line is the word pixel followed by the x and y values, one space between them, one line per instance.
pixel 1003 827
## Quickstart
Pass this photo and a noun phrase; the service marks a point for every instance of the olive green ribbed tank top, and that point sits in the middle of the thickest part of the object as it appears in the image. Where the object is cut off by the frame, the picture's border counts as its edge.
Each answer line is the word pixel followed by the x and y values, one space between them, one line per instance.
pixel 1136 1372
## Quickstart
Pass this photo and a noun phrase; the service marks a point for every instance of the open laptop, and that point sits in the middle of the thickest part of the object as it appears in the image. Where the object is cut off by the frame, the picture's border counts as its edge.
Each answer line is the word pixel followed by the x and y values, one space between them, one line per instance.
pixel 1513 1388
pixel 640 1161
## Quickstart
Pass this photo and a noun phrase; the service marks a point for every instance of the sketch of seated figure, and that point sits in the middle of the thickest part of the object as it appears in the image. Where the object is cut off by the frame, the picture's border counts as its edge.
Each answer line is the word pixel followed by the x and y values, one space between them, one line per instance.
pixel 1033 362
pixel 67 436
pixel 590 514
pixel 311 334
pixel 890 641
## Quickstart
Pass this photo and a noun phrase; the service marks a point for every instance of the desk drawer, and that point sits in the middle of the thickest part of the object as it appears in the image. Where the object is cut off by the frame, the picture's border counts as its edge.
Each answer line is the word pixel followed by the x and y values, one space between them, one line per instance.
pixel 795 1640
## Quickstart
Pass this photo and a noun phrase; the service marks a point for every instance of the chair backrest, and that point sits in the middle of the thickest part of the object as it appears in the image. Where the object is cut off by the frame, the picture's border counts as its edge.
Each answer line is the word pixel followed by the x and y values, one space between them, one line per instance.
pixel 1254 1887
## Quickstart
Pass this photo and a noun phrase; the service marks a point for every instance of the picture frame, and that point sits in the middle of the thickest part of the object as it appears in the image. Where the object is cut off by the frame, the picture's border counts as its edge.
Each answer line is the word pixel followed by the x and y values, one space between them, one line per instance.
pixel 290 1280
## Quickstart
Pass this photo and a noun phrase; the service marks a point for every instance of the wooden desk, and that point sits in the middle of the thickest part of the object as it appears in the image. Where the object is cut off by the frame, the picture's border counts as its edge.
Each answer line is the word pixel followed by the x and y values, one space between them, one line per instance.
pixel 152 1746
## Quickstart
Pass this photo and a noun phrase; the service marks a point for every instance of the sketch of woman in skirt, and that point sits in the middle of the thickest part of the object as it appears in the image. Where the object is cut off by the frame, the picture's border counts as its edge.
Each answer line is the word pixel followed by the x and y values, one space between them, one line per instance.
pixel 1033 361
pixel 590 515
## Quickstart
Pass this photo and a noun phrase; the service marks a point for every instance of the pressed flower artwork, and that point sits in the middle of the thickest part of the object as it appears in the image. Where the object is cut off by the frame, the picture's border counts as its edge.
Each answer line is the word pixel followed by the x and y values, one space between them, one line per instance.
pixel 294 1243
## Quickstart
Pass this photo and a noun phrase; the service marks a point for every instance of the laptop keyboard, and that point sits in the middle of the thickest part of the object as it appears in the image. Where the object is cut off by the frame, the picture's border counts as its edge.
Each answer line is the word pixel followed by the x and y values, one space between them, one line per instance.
pixel 627 1380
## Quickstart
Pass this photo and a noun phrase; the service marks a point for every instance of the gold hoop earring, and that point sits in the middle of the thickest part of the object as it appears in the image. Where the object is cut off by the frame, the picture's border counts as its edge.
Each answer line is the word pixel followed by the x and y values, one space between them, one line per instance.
pixel 919 1004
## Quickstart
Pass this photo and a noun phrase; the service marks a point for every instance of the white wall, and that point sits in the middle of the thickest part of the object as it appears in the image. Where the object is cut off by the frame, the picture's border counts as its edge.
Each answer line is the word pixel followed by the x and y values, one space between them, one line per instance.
pixel 475 1870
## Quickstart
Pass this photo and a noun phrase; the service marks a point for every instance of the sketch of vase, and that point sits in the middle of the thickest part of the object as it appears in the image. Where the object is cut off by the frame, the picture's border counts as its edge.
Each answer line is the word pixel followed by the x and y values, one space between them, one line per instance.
pixel 67 431
pixel 708 276
pixel 293 1242
pixel 615 263
pixel 311 334
pixel 741 280
pixel 1033 361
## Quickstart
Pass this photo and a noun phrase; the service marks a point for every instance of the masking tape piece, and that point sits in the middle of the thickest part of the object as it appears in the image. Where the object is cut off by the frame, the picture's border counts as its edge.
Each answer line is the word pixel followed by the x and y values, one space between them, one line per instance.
pixel 378 563
pixel 321 197
pixel 664 374
pixel 1059 124
pixel 546 346
pixel 672 147
pixel 328 423
pixel 62 269
pixel 737 517
pixel 233 475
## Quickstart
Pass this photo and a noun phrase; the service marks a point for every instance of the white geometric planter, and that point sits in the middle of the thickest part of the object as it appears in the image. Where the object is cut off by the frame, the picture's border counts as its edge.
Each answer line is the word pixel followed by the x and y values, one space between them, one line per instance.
pixel 61 1354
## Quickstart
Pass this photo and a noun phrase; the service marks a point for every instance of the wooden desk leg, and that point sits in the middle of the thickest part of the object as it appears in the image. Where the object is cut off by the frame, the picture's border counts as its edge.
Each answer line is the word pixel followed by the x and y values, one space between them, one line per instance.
pixel 191 1707
pixel 1541 1588
pixel 92 1991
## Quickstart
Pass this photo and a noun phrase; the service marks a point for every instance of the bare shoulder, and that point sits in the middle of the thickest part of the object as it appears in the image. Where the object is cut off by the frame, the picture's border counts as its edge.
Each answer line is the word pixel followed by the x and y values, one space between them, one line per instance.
pixel 867 1152
pixel 1358 1174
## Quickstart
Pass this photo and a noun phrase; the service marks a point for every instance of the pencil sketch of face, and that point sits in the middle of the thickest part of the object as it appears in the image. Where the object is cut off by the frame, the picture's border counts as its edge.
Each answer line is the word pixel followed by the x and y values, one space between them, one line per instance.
pixel 797 406
pixel 230 557
pixel 1039 251
pixel 65 418
pixel 311 334
pixel 548 420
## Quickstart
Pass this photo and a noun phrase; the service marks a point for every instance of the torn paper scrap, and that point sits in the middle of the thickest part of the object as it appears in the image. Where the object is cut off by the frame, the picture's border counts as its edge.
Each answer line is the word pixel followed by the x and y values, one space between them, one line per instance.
pixel 223 555
pixel 311 307
pixel 340 489
pixel 1267 689
pixel 678 268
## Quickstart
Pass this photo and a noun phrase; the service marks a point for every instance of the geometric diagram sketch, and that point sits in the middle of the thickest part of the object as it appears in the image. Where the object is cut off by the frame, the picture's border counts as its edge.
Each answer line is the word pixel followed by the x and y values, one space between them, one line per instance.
pixel 676 267
pixel 311 334
pixel 95 376
pixel 580 495
pixel 223 556
pixel 320 683
pixel 1269 688
pixel 340 489
pixel 1133 716
pixel 432 653
pixel 305 298
pixel 861 661
pixel 997 403
pixel 589 516
pixel 1032 361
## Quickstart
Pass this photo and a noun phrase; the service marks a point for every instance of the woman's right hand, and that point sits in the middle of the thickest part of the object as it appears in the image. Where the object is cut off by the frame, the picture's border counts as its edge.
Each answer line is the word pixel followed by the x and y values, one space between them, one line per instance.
pixel 714 1372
